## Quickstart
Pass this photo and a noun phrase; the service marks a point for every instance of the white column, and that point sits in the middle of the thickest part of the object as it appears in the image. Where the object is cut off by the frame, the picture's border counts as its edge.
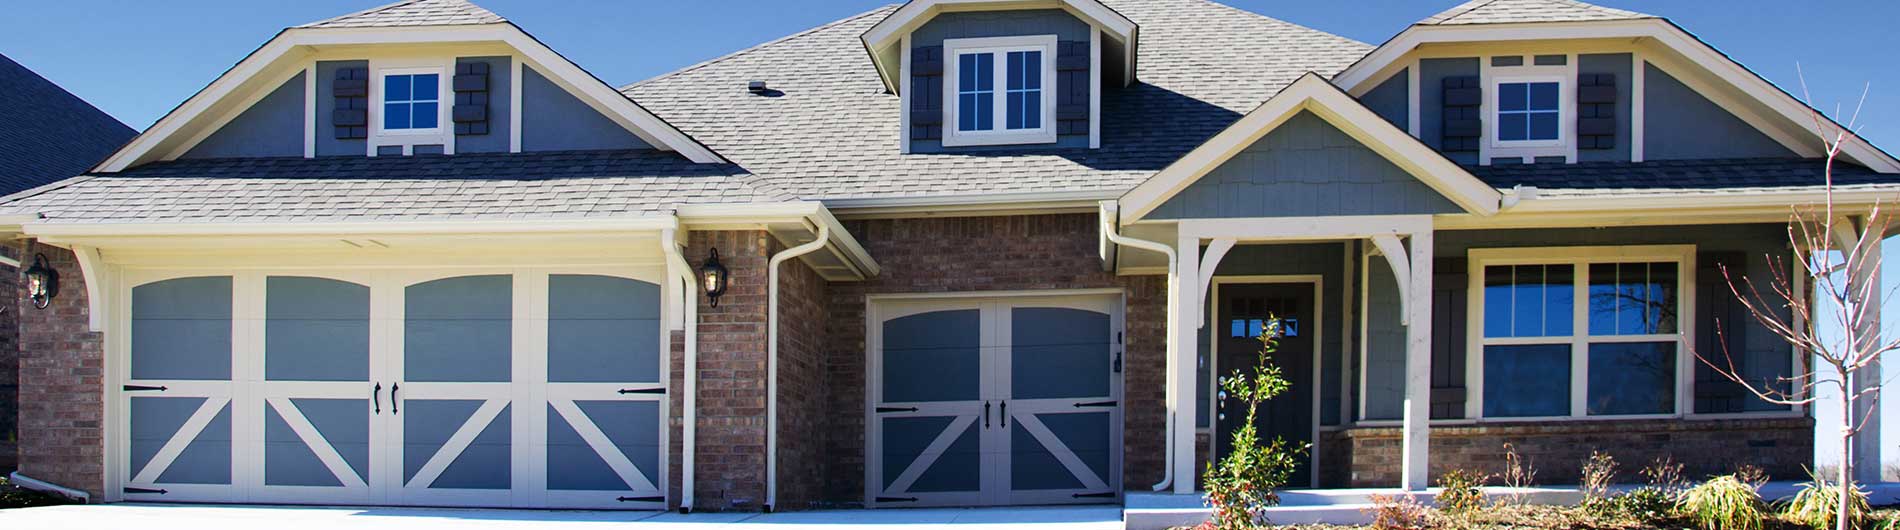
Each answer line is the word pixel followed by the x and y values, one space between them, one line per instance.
pixel 1418 365
pixel 1867 446
pixel 1181 379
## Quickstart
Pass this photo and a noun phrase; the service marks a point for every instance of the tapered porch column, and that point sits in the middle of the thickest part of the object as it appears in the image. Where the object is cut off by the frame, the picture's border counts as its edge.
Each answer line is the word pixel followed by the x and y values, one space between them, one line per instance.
pixel 1866 452
pixel 1418 365
pixel 1181 401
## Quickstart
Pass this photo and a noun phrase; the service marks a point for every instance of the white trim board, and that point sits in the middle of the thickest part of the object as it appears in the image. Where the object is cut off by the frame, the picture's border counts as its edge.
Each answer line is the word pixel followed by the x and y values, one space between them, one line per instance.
pixel 1312 93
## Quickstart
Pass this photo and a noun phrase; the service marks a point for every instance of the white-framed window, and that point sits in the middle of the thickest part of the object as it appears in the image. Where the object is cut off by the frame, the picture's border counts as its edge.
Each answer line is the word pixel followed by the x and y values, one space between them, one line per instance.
pixel 1003 90
pixel 1529 111
pixel 411 101
pixel 1568 332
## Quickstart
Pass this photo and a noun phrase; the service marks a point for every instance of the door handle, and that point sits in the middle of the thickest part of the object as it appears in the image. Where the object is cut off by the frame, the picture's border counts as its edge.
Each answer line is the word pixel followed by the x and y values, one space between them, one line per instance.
pixel 986 414
pixel 376 397
pixel 1002 409
pixel 394 404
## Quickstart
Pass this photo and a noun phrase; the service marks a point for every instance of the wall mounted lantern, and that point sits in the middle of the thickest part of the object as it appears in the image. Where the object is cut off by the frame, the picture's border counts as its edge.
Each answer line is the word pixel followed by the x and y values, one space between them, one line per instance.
pixel 713 277
pixel 42 282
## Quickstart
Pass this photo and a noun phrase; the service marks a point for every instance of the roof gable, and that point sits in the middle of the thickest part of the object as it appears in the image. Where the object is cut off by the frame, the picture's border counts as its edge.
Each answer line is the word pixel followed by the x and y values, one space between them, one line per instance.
pixel 1506 11
pixel 1311 93
pixel 413 13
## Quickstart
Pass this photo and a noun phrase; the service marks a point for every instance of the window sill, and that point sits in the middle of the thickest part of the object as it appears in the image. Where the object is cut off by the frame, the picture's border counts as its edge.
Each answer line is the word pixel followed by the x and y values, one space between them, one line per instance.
pixel 952 139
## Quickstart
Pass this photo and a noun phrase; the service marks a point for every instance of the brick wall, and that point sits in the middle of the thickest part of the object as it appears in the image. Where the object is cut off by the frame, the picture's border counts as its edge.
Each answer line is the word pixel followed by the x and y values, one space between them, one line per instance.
pixel 730 453
pixel 9 364
pixel 989 254
pixel 61 390
pixel 1369 457
pixel 803 412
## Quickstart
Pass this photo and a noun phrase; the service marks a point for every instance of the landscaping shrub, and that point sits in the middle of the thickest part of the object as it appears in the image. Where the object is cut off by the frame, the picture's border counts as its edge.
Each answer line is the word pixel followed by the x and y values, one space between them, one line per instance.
pixel 1461 492
pixel 1725 503
pixel 1598 471
pixel 1241 486
pixel 1399 513
pixel 1647 505
pixel 1815 505
pixel 12 496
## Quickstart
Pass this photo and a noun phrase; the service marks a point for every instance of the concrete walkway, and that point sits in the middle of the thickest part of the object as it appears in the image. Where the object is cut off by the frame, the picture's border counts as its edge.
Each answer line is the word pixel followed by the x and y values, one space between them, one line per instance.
pixel 220 517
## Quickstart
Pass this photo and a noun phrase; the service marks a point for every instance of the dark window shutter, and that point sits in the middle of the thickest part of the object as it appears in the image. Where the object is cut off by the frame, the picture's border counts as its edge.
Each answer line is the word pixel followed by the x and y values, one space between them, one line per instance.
pixel 1461 124
pixel 350 89
pixel 926 93
pixel 1072 88
pixel 1717 306
pixel 470 112
pixel 1449 303
pixel 1596 111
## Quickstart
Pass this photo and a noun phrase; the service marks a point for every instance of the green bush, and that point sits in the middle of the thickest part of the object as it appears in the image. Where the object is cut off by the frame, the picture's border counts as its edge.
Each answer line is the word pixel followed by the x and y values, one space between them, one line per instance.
pixel 1648 505
pixel 1814 506
pixel 1725 503
pixel 1460 492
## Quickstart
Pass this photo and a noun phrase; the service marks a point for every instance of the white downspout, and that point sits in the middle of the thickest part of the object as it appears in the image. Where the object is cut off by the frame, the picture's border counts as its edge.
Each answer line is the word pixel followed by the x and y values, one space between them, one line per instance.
pixel 44 486
pixel 1174 279
pixel 771 358
pixel 689 329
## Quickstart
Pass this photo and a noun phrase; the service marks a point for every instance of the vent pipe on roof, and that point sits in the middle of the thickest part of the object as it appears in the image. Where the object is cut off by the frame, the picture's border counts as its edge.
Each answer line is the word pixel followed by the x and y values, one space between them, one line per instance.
pixel 756 87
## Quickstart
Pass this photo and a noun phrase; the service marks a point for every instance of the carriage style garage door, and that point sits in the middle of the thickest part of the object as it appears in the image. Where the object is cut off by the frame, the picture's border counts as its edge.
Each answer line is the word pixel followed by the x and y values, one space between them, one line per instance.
pixel 998 400
pixel 497 387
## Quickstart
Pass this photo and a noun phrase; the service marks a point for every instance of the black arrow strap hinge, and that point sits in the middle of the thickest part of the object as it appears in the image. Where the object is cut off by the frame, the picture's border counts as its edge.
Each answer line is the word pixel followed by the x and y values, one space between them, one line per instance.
pixel 882 410
pixel 1095 404
pixel 642 391
pixel 1096 495
pixel 640 499
pixel 130 489
pixel 143 388
pixel 896 499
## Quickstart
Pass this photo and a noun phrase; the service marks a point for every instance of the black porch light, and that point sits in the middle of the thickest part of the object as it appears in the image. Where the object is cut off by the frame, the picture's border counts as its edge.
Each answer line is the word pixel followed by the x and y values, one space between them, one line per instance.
pixel 713 277
pixel 42 282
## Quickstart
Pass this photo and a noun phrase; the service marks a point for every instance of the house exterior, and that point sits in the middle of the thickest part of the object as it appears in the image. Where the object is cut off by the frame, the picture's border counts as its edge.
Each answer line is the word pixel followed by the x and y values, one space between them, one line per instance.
pixel 46 135
pixel 977 253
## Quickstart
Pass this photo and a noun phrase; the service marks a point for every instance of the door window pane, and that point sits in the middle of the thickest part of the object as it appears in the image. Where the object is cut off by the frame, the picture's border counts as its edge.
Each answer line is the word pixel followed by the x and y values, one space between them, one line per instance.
pixel 1632 378
pixel 1633 298
pixel 1527 380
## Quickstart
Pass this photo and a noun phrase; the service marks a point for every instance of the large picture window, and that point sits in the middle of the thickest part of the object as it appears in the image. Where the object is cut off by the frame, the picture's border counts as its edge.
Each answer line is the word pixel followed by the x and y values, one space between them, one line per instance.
pixel 1001 90
pixel 1589 331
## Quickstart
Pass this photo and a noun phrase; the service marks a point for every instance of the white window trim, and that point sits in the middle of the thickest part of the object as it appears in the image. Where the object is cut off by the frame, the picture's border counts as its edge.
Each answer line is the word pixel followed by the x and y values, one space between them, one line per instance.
pixel 409 138
pixel 1565 78
pixel 1580 339
pixel 953 48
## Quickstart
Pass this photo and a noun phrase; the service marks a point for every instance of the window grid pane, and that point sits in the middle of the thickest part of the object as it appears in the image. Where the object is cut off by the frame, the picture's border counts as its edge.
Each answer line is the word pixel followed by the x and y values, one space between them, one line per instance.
pixel 1527 380
pixel 1528 111
pixel 975 91
pixel 1529 301
pixel 411 101
pixel 1633 298
pixel 1632 378
pixel 1024 90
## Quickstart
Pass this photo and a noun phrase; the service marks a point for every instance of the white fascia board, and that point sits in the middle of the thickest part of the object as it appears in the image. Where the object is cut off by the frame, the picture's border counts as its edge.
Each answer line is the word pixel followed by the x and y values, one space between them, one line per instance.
pixel 915 13
pixel 1659 30
pixel 1315 94
pixel 812 214
pixel 1782 201
pixel 579 225
pixel 280 49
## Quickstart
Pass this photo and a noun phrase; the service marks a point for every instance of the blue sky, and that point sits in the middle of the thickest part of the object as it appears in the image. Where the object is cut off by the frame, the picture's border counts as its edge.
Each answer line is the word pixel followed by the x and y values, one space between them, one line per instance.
pixel 137 59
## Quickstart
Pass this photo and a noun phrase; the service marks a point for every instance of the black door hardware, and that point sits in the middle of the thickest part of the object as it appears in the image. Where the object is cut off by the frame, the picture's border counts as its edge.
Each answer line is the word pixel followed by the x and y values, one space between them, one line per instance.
pixel 129 489
pixel 1095 404
pixel 881 410
pixel 376 397
pixel 143 388
pixel 394 404
pixel 642 391
pixel 640 499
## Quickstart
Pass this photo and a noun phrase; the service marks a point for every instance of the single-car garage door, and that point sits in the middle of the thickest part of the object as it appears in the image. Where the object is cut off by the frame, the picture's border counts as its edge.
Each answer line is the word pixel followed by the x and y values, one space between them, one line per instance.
pixel 995 400
pixel 494 387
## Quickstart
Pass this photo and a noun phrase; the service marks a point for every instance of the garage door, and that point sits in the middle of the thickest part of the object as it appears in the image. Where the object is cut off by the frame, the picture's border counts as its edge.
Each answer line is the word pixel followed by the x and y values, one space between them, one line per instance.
pixel 993 401
pixel 507 388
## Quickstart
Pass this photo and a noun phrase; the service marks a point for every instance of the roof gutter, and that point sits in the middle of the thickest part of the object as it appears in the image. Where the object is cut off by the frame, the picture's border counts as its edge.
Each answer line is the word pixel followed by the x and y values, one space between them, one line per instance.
pixel 771 358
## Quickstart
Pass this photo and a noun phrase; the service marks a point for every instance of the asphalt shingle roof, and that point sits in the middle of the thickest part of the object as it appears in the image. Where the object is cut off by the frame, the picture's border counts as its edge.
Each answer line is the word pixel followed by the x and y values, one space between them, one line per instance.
pixel 1737 174
pixel 1507 11
pixel 46 133
pixel 834 132
pixel 574 184
pixel 413 13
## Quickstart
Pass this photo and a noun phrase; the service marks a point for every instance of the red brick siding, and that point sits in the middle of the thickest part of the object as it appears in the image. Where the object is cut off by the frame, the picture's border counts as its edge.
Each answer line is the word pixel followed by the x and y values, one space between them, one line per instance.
pixel 1369 457
pixel 989 254
pixel 730 454
pixel 803 415
pixel 61 383
pixel 9 364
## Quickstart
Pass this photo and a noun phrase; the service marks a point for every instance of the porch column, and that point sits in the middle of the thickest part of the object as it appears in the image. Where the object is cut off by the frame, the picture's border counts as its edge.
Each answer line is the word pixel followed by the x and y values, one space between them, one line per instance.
pixel 1181 381
pixel 1866 279
pixel 1418 364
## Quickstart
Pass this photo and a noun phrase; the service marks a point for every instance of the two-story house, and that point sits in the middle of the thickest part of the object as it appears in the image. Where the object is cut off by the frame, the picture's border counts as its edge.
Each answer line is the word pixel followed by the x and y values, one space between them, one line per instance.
pixel 967 253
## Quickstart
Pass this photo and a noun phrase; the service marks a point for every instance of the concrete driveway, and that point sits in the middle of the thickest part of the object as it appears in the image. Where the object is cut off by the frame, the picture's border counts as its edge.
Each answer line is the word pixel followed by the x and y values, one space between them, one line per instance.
pixel 219 517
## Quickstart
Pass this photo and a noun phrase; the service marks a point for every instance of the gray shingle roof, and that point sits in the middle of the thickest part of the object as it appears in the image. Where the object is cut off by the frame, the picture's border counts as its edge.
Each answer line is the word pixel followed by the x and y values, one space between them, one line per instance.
pixel 46 133
pixel 1507 11
pixel 413 13
pixel 575 184
pixel 834 133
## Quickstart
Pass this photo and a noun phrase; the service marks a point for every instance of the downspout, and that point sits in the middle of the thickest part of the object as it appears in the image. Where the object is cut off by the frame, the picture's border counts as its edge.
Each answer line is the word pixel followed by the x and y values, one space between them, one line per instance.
pixel 1108 209
pixel 689 329
pixel 771 358
pixel 44 486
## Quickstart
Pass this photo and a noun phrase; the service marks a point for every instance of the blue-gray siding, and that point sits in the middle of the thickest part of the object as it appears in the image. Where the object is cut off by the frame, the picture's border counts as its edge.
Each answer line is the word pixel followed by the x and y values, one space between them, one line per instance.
pixel 273 126
pixel 1306 167
pixel 1617 64
pixel 496 141
pixel 1392 99
pixel 554 120
pixel 968 25
pixel 1324 259
pixel 1431 88
pixel 327 142
pixel 1681 124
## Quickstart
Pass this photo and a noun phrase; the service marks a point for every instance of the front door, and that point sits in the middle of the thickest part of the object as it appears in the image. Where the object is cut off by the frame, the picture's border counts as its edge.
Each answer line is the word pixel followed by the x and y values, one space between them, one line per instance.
pixel 991 401
pixel 1243 312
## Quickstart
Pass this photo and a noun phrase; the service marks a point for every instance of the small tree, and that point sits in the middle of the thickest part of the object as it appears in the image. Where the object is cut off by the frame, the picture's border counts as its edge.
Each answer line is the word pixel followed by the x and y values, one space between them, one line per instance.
pixel 1840 267
pixel 1242 484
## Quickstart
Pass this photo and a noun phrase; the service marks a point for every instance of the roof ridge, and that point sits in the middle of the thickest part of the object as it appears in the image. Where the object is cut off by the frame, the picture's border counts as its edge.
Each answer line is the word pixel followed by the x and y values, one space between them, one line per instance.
pixel 345 16
pixel 1283 21
pixel 476 10
pixel 756 47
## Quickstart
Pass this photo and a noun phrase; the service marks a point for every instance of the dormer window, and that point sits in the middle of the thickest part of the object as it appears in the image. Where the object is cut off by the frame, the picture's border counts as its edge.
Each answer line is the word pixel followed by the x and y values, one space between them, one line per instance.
pixel 999 84
pixel 1528 112
pixel 411 103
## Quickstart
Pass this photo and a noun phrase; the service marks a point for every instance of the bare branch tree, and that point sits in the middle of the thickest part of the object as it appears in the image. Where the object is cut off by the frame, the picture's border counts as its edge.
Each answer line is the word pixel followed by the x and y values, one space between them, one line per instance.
pixel 1839 272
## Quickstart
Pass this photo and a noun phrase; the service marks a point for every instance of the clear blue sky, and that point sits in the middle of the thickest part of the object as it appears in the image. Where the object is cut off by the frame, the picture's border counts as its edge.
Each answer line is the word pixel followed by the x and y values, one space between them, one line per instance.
pixel 137 59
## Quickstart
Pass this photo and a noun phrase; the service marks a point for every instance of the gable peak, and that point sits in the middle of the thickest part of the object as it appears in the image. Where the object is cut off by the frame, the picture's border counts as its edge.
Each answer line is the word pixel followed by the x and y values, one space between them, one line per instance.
pixel 414 13
pixel 1508 11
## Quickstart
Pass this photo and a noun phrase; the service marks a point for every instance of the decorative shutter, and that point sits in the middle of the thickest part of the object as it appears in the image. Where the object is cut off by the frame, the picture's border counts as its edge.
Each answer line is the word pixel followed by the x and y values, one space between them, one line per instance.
pixel 1596 111
pixel 1072 88
pixel 471 98
pixel 1461 125
pixel 1449 303
pixel 1716 306
pixel 926 93
pixel 351 115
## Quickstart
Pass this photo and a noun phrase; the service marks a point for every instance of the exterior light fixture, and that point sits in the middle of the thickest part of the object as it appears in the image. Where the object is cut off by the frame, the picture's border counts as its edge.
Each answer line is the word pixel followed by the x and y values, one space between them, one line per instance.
pixel 42 282
pixel 713 277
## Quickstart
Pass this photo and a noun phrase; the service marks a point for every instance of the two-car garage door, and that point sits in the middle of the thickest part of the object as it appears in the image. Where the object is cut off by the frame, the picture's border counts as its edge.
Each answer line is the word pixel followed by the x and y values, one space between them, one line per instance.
pixel 499 387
